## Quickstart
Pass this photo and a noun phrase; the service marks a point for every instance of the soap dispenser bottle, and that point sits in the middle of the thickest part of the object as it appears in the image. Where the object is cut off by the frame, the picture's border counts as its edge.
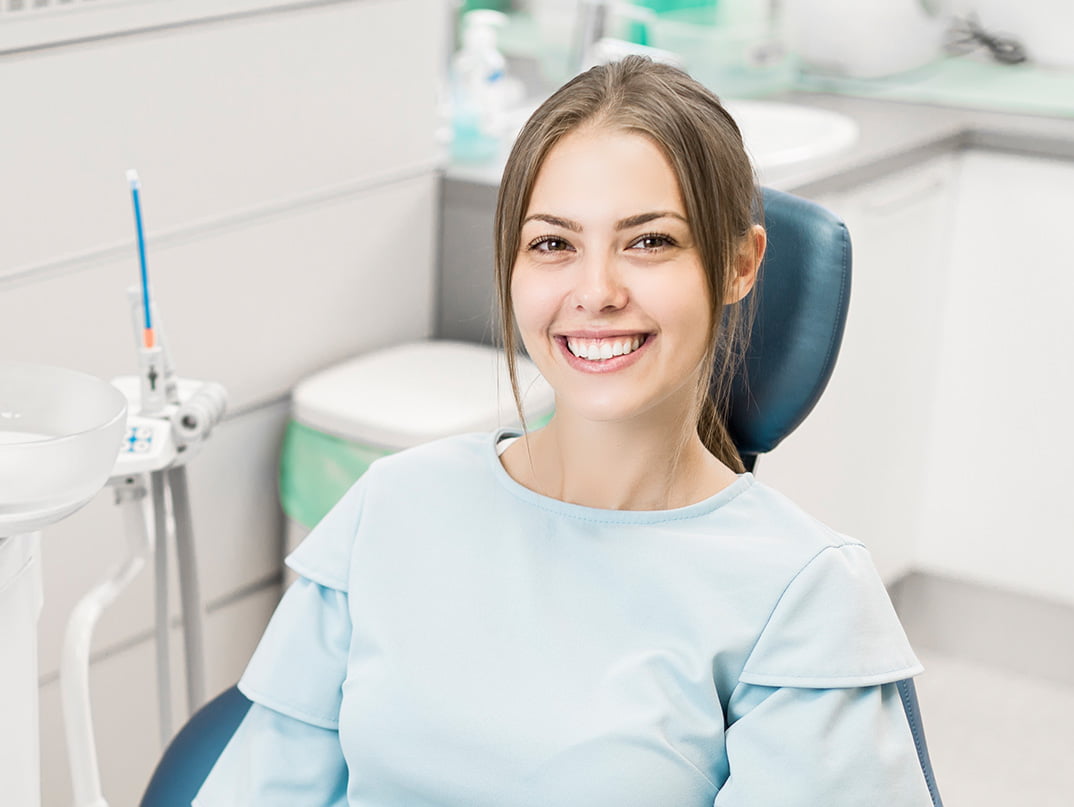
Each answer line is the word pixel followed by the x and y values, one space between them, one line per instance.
pixel 479 88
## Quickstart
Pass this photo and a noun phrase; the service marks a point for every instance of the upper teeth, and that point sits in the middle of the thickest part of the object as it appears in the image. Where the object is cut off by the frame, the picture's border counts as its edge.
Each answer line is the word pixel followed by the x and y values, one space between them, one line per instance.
pixel 597 349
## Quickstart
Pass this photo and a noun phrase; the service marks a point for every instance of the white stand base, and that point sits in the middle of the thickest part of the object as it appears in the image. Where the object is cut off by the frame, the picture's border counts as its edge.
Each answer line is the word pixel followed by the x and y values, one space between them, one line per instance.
pixel 20 607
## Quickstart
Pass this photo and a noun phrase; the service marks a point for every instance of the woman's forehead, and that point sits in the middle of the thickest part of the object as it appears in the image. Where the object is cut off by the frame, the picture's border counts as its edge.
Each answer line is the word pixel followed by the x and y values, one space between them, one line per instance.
pixel 604 173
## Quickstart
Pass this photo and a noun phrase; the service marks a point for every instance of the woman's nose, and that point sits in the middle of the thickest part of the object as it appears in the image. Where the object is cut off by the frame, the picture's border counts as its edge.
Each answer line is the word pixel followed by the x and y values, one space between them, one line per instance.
pixel 599 285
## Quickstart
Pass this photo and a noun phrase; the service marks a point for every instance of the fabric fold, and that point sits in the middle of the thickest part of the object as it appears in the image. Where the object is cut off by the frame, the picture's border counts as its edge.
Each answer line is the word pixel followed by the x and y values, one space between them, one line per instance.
pixel 300 663
pixel 843 747
pixel 833 627
pixel 324 556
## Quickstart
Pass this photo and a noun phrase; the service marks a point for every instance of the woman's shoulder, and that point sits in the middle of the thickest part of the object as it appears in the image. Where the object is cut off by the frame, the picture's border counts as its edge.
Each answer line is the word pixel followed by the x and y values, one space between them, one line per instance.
pixel 767 518
pixel 406 482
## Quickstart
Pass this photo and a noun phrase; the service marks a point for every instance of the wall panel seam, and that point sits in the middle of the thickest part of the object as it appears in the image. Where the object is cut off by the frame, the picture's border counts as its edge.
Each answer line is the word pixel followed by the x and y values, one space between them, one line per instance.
pixel 198 21
pixel 148 635
pixel 239 219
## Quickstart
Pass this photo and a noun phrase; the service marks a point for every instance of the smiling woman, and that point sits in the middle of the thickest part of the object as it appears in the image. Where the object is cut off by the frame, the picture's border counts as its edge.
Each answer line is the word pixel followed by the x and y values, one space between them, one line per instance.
pixel 612 302
pixel 626 310
pixel 605 610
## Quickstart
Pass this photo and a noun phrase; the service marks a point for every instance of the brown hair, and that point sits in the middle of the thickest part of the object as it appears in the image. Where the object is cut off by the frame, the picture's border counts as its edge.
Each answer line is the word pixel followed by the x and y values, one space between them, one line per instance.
pixel 704 148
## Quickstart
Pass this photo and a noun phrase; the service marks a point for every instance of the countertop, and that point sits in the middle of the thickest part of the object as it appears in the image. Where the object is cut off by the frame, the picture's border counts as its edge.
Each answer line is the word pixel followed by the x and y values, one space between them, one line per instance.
pixel 895 133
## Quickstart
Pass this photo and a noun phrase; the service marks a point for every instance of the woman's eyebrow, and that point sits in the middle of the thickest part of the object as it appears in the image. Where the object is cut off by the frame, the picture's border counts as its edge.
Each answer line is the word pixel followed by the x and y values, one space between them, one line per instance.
pixel 644 218
pixel 555 221
pixel 624 224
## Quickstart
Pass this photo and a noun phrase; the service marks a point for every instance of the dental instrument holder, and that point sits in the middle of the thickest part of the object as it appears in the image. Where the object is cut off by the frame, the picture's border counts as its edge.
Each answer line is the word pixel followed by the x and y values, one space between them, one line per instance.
pixel 173 419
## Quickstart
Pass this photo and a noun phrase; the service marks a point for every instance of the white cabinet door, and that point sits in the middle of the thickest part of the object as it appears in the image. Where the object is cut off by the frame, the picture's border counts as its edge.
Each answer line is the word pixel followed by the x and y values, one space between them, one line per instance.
pixel 856 462
pixel 999 507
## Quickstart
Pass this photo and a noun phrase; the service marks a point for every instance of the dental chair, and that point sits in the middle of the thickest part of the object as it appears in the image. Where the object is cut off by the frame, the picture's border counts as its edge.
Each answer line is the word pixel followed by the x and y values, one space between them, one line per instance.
pixel 803 293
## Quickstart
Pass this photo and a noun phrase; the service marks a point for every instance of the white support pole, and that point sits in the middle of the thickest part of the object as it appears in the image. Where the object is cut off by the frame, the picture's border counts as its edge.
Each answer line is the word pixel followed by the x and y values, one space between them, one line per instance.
pixel 74 669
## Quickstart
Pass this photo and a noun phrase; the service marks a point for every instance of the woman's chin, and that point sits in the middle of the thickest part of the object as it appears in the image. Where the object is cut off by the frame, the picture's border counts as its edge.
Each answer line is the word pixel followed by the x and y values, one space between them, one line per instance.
pixel 603 411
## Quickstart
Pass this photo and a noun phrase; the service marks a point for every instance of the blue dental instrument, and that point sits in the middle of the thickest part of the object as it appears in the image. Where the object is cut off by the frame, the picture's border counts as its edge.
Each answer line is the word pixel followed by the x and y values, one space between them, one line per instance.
pixel 151 362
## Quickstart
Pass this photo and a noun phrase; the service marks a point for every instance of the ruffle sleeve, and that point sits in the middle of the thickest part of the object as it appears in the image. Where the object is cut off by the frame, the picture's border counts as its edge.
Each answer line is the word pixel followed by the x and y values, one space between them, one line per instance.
pixel 817 716
pixel 300 663
pixel 287 749
pixel 844 747
pixel 834 626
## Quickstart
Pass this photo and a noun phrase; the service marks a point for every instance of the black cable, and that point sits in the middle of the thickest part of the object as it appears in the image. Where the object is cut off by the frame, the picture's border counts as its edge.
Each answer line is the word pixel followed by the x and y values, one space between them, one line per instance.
pixel 966 35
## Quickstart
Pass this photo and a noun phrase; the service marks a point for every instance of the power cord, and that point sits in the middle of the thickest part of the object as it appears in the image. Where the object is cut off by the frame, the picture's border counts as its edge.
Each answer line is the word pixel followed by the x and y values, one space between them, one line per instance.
pixel 966 35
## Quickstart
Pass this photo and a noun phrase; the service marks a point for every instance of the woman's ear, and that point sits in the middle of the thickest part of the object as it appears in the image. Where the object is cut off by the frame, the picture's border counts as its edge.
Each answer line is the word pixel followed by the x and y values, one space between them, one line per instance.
pixel 747 262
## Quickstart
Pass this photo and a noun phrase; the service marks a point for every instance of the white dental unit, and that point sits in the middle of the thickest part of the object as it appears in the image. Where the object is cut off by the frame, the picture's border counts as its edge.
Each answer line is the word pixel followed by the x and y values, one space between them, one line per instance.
pixel 63 436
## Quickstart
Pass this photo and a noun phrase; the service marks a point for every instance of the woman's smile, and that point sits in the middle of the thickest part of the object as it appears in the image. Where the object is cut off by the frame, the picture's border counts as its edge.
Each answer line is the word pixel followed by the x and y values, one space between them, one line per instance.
pixel 603 354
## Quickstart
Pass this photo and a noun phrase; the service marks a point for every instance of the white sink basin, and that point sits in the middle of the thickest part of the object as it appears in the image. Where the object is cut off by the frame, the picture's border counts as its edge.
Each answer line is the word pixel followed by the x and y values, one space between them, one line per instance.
pixel 777 135
pixel 60 432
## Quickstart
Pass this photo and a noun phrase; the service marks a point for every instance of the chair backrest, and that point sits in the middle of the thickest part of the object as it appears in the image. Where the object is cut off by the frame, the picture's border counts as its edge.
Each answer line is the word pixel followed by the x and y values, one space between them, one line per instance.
pixel 803 296
pixel 194 750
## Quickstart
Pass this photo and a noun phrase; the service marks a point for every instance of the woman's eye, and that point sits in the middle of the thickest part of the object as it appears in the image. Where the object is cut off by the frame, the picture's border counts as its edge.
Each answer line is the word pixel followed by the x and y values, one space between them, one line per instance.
pixel 653 241
pixel 548 243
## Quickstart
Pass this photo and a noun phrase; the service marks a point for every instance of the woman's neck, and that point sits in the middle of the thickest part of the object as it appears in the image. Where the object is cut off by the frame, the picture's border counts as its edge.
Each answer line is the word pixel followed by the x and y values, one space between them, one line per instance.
pixel 617 466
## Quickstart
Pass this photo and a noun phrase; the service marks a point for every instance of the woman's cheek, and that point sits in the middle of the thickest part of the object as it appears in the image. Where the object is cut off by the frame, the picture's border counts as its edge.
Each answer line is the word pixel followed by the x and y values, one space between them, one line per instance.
pixel 535 302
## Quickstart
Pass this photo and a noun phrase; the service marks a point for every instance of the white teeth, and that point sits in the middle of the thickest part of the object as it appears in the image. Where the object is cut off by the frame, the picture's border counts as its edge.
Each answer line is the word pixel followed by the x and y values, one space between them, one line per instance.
pixel 603 349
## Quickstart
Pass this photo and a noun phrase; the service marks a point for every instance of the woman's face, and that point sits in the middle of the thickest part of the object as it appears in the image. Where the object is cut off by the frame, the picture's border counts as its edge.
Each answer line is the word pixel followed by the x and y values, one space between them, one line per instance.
pixel 608 289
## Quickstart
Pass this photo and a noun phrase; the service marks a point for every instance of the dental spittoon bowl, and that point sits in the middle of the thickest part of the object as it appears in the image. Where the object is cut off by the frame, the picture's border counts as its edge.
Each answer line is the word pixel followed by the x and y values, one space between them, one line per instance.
pixel 60 433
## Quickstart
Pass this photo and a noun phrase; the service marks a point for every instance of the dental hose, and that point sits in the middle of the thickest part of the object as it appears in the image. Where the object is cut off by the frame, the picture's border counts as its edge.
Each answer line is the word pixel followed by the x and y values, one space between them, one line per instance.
pixel 192 421
pixel 163 626
pixel 189 592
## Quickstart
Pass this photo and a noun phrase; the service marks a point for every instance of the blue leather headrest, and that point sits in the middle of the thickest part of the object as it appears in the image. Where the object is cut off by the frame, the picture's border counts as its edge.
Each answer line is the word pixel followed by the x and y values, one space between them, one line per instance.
pixel 803 293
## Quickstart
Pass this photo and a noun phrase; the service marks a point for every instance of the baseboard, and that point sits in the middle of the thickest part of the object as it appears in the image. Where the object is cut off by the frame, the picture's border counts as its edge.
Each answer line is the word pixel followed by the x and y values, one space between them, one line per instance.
pixel 1002 629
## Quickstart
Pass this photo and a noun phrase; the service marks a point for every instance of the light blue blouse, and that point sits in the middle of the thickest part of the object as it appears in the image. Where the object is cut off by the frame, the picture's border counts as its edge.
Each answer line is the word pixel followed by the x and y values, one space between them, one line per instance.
pixel 458 640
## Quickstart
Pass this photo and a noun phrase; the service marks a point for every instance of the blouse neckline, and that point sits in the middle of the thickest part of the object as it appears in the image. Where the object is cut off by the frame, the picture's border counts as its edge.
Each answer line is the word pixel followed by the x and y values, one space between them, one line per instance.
pixel 596 514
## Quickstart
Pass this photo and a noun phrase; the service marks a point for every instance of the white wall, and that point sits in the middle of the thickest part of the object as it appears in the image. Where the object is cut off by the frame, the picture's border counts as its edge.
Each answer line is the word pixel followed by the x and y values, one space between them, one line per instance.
pixel 290 191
